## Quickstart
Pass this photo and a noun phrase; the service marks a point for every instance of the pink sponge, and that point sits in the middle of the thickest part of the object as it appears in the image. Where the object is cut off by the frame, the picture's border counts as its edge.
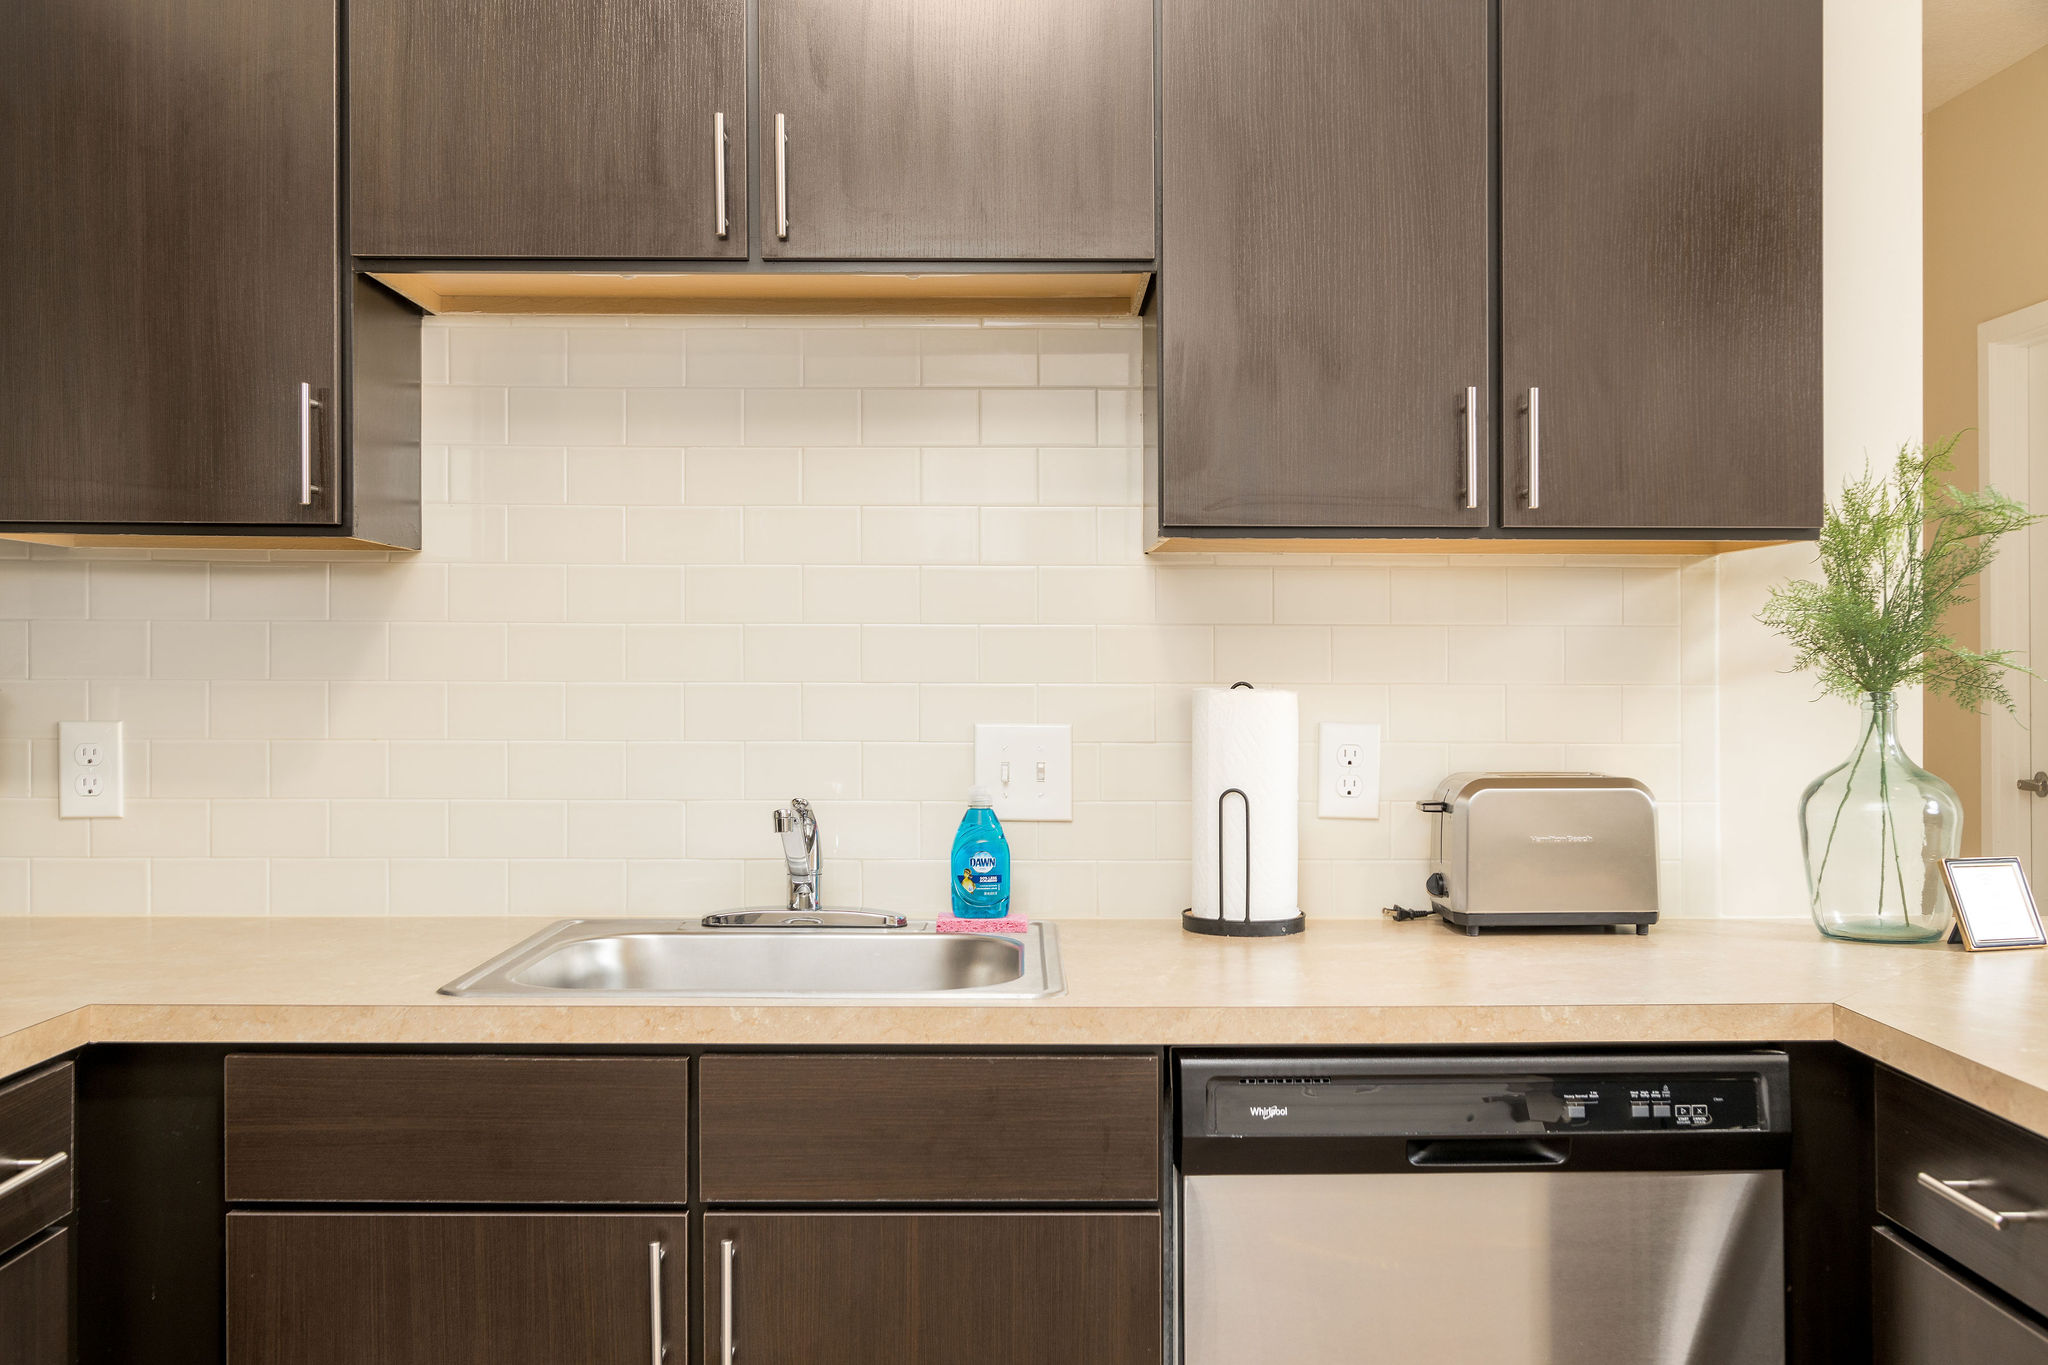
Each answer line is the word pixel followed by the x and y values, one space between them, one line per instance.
pixel 1013 924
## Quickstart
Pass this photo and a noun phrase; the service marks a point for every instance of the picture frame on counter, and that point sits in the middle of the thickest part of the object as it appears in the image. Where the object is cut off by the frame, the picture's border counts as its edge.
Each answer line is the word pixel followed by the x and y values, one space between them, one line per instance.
pixel 1994 905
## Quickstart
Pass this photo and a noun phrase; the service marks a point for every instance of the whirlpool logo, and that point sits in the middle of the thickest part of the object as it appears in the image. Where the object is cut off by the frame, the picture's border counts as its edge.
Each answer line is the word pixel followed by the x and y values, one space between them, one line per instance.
pixel 1560 838
pixel 1269 1111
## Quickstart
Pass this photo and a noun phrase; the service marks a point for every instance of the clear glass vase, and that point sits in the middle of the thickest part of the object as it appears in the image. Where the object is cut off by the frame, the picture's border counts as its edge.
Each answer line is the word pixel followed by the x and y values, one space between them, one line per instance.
pixel 1875 830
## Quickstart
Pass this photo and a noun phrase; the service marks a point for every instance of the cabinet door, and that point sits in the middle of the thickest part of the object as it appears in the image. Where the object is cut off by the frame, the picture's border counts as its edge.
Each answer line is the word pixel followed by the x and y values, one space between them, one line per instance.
pixel 454 1289
pixel 935 130
pixel 1323 310
pixel 933 1288
pixel 1660 263
pixel 35 1303
pixel 170 219
pixel 498 128
pixel 1926 1315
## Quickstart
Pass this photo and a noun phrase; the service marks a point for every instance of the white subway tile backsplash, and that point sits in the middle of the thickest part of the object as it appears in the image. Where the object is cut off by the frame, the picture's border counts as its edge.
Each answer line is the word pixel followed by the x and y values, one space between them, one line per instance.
pixel 704 653
pixel 325 649
pixel 147 590
pixel 209 886
pixel 571 535
pixel 860 477
pixel 468 652
pixel 740 357
pixel 507 356
pixel 920 535
pixel 684 535
pixel 971 357
pixel 565 416
pixel 1037 535
pixel 205 649
pixel 853 594
pixel 681 417
pixel 679 569
pixel 739 476
pixel 268 710
pixel 599 477
pixel 980 476
pixel 821 417
pixel 325 886
pixel 1038 417
pixel 859 357
pixel 920 417
pixel 614 357
pixel 94 649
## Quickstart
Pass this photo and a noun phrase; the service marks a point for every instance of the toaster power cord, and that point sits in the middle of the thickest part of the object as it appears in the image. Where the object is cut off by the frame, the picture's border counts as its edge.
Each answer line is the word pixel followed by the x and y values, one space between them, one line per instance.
pixel 1401 914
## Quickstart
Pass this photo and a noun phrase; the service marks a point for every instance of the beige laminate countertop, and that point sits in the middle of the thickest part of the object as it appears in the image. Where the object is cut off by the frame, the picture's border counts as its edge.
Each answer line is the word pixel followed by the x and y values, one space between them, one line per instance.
pixel 1972 1024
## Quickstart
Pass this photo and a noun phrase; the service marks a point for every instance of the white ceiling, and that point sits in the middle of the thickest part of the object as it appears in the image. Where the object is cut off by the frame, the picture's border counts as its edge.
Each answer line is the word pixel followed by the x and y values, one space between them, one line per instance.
pixel 1967 41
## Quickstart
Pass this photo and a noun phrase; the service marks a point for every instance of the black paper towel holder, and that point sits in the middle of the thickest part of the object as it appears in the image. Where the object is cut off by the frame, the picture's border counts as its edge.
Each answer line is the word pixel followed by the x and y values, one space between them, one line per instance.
pixel 1246 927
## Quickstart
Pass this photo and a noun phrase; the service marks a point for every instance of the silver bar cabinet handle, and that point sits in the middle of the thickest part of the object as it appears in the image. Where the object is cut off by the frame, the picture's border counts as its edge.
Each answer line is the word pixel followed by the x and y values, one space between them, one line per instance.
pixel 654 1255
pixel 1472 447
pixel 1532 406
pixel 782 177
pixel 1952 1191
pixel 725 1346
pixel 718 158
pixel 307 402
pixel 28 1170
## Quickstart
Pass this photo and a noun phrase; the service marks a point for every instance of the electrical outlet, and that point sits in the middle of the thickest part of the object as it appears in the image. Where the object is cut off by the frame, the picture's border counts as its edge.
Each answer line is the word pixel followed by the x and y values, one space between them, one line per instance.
pixel 1029 768
pixel 1348 775
pixel 89 769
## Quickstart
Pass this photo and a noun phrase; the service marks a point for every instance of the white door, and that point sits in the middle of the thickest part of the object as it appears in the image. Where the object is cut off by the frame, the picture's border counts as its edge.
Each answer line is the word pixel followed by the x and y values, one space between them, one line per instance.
pixel 2012 354
pixel 2035 360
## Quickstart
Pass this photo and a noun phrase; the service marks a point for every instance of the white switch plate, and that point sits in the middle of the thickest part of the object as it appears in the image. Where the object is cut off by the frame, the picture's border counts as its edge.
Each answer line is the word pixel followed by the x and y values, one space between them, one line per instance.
pixel 1030 768
pixel 89 769
pixel 1348 773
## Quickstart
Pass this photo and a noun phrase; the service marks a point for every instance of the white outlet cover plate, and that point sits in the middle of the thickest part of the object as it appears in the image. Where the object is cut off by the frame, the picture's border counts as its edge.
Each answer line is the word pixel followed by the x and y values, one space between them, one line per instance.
pixel 1348 772
pixel 1038 761
pixel 89 769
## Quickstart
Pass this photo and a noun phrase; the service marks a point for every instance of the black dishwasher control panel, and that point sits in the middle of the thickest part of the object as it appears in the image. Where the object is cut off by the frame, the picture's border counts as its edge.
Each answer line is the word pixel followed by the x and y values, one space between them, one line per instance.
pixel 1290 1098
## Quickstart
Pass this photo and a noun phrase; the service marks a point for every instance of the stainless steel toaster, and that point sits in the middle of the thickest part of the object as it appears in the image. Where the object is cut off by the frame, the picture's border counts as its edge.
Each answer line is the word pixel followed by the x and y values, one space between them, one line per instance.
pixel 1526 849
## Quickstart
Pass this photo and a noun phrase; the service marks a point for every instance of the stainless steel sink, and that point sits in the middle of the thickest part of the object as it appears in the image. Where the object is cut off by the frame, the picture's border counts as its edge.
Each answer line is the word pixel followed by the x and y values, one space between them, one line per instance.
pixel 770 955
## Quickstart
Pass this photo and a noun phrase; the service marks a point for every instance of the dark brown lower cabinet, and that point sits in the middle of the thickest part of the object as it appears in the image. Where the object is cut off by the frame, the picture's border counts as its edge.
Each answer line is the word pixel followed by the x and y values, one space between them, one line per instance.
pixel 35 1303
pixel 1926 1315
pixel 454 1289
pixel 933 1288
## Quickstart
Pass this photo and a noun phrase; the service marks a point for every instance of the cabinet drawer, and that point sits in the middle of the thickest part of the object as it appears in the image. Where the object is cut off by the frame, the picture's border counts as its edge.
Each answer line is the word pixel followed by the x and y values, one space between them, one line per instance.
pixel 1921 1131
pixel 455 1288
pixel 35 1303
pixel 1923 1315
pixel 934 1288
pixel 35 1154
pixel 956 1129
pixel 458 1130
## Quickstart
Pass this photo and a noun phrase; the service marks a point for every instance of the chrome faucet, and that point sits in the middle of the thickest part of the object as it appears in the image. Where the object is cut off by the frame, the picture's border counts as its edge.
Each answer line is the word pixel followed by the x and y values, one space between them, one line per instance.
pixel 799 831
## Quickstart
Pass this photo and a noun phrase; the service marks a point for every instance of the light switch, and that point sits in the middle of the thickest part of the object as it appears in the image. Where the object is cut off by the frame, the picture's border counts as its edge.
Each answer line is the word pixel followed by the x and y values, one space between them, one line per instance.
pixel 1348 776
pixel 1029 768
pixel 89 769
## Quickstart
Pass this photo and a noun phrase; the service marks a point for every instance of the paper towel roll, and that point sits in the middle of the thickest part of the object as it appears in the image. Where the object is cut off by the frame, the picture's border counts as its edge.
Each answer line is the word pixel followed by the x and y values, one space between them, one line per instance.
pixel 1250 740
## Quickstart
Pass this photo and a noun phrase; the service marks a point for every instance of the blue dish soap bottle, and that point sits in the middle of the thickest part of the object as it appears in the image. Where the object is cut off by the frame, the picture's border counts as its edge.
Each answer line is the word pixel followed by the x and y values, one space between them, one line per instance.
pixel 981 861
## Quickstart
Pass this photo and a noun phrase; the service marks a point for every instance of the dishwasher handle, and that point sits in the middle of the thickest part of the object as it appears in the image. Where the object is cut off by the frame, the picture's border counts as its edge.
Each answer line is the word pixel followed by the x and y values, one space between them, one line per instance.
pixel 1488 1153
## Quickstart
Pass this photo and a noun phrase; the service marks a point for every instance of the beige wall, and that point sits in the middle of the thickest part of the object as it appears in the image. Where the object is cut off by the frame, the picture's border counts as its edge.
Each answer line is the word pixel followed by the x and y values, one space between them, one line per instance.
pixel 1987 255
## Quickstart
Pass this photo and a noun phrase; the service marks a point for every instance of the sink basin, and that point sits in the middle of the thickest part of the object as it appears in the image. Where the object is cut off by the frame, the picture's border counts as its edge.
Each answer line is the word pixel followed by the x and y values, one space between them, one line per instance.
pixel 640 958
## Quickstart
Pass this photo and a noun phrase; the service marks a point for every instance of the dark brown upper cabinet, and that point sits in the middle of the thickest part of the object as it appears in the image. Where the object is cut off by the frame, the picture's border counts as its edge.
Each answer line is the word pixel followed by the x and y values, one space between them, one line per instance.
pixel 1341 179
pixel 1660 264
pixel 172 340
pixel 506 129
pixel 935 130
pixel 1323 306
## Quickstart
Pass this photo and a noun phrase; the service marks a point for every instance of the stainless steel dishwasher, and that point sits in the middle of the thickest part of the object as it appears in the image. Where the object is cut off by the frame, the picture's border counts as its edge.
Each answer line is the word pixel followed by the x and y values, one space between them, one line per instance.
pixel 1510 1210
